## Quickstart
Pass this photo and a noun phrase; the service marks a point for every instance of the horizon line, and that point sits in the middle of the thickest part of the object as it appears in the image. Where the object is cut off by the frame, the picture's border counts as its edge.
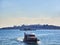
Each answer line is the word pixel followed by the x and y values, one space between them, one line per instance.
pixel 29 24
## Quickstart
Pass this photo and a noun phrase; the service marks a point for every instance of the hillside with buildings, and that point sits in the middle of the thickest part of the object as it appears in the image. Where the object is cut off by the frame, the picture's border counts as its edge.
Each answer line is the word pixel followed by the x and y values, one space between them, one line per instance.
pixel 33 27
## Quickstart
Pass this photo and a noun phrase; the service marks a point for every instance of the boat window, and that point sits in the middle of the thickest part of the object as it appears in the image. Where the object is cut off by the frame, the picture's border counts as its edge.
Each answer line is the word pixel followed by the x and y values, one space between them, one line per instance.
pixel 31 35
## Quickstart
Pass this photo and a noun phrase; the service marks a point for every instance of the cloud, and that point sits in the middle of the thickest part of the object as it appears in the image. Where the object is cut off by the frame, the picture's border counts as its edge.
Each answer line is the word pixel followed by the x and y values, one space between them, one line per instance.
pixel 25 20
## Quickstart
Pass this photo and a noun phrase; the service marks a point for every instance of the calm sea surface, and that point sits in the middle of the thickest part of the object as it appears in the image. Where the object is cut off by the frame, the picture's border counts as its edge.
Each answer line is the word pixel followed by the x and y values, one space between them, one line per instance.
pixel 15 37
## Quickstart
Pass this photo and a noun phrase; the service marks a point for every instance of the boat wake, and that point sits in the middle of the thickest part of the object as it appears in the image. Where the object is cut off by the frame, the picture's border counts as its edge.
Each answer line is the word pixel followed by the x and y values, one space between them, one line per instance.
pixel 20 39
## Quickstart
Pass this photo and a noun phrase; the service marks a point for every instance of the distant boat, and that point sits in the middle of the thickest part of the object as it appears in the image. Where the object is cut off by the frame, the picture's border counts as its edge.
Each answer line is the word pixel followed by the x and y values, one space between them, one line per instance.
pixel 30 38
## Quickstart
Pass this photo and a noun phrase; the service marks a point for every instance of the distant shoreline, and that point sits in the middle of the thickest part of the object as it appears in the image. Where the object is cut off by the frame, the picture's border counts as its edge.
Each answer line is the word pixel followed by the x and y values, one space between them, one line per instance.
pixel 33 27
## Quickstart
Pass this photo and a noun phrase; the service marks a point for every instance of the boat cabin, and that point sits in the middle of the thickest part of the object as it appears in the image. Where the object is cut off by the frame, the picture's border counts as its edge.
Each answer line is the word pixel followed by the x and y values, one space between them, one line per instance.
pixel 30 38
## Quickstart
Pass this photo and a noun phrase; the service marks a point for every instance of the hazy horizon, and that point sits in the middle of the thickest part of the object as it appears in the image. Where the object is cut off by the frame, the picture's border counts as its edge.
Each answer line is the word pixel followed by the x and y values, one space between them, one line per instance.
pixel 18 12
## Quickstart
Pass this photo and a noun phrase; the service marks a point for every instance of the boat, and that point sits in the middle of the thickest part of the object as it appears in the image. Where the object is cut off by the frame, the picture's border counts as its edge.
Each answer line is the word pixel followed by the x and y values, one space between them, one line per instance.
pixel 30 38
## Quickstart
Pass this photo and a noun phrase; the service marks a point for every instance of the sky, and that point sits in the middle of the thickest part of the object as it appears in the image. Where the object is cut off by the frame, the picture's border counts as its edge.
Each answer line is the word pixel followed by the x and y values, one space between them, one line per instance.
pixel 17 12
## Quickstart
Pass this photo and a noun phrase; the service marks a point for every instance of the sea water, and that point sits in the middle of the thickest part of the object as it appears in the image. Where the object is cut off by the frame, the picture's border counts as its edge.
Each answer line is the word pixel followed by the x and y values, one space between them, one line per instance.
pixel 15 37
